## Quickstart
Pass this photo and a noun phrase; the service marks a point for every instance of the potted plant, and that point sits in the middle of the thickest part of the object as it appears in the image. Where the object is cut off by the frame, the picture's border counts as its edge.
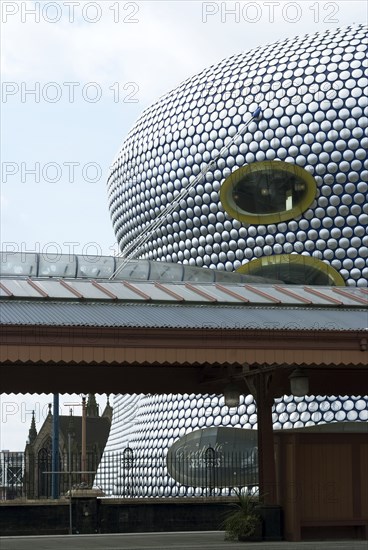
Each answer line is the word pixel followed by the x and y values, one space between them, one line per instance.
pixel 243 522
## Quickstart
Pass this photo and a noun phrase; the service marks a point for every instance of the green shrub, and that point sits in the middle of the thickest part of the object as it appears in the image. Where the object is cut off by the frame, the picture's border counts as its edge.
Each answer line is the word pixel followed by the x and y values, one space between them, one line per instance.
pixel 243 520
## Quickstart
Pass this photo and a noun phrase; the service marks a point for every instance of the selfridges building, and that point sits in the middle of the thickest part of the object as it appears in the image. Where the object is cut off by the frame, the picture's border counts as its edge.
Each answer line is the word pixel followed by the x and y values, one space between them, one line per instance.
pixel 274 141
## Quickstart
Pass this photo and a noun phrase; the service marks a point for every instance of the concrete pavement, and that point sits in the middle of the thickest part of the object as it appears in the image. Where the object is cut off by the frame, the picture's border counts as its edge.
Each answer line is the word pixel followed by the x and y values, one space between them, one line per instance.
pixel 206 540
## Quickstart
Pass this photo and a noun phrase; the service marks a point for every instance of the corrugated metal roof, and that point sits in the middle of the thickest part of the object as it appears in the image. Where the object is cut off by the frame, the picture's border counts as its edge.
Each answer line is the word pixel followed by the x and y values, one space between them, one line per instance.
pixel 179 315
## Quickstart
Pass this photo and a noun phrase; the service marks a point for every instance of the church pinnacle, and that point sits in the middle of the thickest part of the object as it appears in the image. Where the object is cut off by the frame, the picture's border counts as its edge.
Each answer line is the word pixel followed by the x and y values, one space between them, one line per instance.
pixel 32 434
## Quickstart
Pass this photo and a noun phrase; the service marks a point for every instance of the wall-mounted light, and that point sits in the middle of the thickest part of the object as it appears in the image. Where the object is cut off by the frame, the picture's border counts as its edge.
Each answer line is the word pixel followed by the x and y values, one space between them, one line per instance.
pixel 232 395
pixel 299 186
pixel 265 191
pixel 299 382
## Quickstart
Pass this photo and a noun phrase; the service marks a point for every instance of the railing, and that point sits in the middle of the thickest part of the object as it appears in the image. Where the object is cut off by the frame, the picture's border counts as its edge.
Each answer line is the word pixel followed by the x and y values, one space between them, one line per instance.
pixel 30 476
pixel 11 475
pixel 203 474
pixel 128 474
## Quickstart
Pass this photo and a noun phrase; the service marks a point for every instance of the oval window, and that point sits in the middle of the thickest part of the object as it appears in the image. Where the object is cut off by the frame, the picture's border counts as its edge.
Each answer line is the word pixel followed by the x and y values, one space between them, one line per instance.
pixel 268 192
pixel 294 269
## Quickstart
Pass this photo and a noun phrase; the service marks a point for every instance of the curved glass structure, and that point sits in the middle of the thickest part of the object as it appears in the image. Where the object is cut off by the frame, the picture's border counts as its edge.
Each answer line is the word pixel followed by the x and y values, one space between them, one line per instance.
pixel 232 451
pixel 313 116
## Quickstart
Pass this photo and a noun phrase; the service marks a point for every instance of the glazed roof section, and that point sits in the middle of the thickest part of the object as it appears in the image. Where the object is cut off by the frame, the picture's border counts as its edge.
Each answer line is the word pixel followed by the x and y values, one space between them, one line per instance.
pixel 27 264
pixel 79 290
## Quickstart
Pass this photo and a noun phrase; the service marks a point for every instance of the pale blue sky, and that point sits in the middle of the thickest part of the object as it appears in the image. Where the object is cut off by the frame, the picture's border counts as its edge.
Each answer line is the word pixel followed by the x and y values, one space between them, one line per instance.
pixel 169 42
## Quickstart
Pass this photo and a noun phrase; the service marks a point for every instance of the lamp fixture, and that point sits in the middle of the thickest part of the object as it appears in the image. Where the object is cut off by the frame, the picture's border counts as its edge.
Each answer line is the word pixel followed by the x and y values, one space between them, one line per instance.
pixel 232 395
pixel 299 382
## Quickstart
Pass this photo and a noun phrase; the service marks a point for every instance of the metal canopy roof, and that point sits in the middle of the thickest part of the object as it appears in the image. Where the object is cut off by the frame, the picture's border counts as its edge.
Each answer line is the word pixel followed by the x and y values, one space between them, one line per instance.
pixel 76 302
pixel 182 316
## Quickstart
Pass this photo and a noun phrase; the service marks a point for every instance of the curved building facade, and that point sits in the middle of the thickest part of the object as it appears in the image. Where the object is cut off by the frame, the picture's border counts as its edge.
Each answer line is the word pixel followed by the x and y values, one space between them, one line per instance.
pixel 267 150
pixel 313 116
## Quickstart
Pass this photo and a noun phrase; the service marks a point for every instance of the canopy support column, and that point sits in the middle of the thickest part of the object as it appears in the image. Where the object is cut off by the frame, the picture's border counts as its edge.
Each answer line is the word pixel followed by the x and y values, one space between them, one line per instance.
pixel 266 453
